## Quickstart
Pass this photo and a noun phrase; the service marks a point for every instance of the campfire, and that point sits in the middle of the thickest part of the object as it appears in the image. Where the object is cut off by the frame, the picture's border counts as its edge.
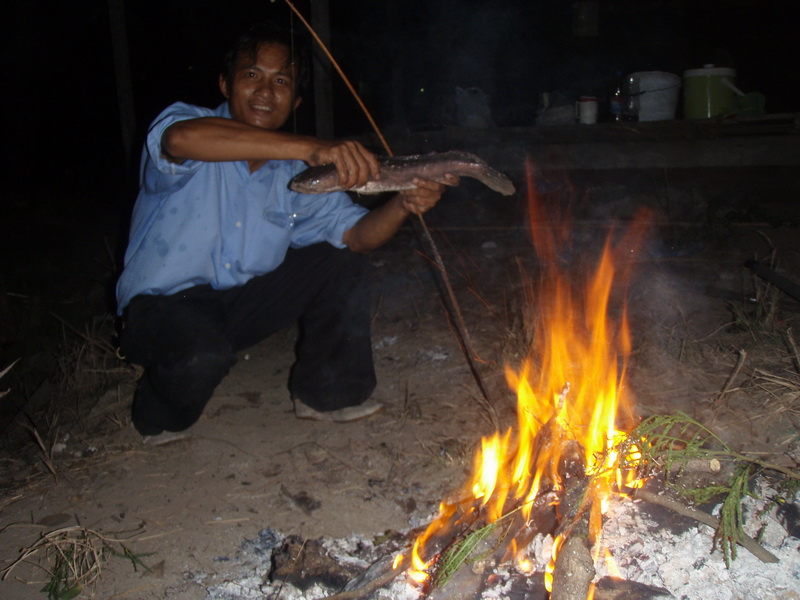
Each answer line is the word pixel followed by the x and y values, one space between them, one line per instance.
pixel 569 453
pixel 548 510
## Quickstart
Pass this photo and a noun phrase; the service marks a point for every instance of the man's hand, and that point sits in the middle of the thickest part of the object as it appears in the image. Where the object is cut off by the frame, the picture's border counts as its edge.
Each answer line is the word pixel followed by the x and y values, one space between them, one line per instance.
pixel 380 224
pixel 354 163
pixel 424 196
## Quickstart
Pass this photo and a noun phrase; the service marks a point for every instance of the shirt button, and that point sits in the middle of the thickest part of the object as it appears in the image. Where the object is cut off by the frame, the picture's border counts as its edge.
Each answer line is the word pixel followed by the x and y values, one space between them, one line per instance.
pixel 238 223
pixel 227 265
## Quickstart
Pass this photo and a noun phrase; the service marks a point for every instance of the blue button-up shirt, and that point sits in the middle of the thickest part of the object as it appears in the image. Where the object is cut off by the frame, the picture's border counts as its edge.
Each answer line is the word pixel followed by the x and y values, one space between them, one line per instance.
pixel 216 223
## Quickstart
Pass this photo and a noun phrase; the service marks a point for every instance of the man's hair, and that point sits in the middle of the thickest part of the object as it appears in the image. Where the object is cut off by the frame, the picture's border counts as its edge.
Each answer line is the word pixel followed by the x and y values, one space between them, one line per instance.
pixel 249 42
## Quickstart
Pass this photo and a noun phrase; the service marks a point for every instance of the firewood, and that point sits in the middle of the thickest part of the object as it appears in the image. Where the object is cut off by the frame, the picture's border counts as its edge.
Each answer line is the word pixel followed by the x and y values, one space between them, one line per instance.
pixel 368 587
pixel 745 541
pixel 574 569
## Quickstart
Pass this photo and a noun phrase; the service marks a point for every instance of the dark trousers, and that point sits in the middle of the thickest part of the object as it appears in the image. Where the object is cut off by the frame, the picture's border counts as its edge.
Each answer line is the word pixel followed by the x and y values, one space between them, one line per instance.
pixel 187 341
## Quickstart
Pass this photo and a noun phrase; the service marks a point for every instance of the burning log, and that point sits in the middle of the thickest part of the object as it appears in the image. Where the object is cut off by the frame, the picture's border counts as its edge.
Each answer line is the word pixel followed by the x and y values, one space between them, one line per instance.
pixel 463 533
pixel 560 453
pixel 574 569
pixel 483 544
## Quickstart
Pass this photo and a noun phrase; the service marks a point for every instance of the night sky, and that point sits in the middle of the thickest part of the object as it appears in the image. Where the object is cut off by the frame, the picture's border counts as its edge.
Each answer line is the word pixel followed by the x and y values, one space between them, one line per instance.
pixel 405 57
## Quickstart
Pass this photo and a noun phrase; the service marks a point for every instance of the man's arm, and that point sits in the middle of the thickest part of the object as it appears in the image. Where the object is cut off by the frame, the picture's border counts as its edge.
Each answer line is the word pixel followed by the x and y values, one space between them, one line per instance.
pixel 378 226
pixel 216 139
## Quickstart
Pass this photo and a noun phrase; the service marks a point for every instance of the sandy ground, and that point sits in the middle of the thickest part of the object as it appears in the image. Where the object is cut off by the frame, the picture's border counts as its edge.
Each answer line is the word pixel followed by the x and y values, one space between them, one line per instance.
pixel 186 507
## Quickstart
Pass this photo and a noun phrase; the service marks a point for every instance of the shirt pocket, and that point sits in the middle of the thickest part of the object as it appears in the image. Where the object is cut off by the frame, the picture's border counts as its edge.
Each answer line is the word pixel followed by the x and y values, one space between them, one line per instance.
pixel 263 246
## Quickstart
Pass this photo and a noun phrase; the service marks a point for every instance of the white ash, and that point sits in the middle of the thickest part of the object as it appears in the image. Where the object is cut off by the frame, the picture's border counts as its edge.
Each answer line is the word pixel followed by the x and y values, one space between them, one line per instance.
pixel 400 589
pixel 244 587
pixel 540 550
pixel 644 551
pixel 506 574
pixel 684 563
pixel 250 567
pixel 248 578
pixel 353 550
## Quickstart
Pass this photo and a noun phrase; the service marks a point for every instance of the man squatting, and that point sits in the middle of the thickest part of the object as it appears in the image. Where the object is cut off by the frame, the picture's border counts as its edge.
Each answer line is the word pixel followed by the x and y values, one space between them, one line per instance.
pixel 222 254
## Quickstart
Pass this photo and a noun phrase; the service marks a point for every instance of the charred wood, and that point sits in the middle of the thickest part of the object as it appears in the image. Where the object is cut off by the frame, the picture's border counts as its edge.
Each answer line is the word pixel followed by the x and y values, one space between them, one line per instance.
pixel 574 569
pixel 303 563
pixel 611 588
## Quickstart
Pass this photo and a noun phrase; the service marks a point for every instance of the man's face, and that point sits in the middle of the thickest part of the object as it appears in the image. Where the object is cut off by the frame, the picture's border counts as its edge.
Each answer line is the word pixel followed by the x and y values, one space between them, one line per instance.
pixel 261 91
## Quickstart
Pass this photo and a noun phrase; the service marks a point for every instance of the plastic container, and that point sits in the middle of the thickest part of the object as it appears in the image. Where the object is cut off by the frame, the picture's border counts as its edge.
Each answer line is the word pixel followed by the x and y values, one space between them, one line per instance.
pixel 658 95
pixel 705 94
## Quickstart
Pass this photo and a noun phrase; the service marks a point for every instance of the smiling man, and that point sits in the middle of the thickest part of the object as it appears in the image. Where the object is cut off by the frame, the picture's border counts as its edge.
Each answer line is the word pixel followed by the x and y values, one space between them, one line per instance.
pixel 222 254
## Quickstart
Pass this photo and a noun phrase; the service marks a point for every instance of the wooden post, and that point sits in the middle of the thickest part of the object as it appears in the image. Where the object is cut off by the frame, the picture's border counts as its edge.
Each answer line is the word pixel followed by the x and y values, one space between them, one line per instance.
pixel 323 87
pixel 122 66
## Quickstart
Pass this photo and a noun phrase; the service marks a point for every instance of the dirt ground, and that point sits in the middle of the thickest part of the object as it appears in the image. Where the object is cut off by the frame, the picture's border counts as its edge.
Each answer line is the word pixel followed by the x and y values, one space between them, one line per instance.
pixel 186 507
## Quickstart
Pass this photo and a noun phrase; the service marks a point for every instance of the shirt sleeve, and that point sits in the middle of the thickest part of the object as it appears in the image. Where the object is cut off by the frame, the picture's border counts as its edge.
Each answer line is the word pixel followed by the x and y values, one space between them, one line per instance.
pixel 159 174
pixel 325 218
pixel 320 217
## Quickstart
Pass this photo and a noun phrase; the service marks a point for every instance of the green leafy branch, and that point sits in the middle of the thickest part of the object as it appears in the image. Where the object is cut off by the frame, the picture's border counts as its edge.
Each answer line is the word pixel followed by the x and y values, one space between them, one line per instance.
pixel 671 441
pixel 458 553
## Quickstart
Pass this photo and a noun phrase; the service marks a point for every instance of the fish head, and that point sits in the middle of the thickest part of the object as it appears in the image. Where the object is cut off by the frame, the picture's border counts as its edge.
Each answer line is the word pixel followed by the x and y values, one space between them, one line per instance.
pixel 316 180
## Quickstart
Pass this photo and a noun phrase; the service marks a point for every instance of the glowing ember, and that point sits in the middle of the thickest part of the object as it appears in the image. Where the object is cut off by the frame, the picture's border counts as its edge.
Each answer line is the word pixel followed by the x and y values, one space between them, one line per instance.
pixel 572 409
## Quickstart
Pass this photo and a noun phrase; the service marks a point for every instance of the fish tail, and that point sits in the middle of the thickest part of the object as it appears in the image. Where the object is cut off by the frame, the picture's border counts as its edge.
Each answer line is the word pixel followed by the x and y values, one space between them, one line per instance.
pixel 496 181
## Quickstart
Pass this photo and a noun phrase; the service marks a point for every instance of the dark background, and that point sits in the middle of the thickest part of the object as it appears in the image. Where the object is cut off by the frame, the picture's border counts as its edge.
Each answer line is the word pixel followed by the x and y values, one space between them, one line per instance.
pixel 404 57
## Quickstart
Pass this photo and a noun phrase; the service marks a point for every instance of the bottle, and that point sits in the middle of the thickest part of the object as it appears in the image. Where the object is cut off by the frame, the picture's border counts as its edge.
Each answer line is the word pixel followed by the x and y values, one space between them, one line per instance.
pixel 630 92
pixel 617 100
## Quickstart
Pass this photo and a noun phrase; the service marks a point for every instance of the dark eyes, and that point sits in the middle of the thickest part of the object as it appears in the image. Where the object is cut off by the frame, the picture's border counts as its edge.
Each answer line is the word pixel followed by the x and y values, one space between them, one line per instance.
pixel 278 80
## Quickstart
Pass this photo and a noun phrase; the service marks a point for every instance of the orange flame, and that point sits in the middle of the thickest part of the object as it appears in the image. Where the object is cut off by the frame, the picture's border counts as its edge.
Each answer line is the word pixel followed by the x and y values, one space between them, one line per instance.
pixel 570 406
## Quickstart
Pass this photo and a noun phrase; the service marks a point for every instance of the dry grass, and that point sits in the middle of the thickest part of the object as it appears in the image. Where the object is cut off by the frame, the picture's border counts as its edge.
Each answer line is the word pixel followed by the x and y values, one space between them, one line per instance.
pixel 71 559
pixel 781 396
pixel 86 366
pixel 761 316
pixel 89 364
pixel 3 374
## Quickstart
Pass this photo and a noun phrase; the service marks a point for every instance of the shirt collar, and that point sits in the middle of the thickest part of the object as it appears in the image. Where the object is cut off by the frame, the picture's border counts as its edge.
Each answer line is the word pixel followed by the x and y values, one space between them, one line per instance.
pixel 223 110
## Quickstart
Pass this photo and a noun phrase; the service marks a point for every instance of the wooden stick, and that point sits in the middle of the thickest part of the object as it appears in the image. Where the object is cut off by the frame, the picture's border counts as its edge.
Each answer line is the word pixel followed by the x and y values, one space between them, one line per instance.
pixel 795 357
pixel 455 308
pixel 368 588
pixel 341 74
pixel 745 541
pixel 739 363
pixel 461 327
pixel 573 570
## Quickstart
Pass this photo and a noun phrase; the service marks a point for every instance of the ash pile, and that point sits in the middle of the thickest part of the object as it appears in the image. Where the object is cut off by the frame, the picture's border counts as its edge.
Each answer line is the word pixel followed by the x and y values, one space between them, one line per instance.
pixel 657 554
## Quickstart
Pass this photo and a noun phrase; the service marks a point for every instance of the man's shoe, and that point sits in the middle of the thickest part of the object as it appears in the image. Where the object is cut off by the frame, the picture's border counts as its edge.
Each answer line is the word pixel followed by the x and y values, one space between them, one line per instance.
pixel 165 437
pixel 341 415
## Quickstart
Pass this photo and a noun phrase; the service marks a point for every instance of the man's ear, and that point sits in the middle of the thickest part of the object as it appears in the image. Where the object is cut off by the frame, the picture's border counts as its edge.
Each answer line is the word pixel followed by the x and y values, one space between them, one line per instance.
pixel 223 86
